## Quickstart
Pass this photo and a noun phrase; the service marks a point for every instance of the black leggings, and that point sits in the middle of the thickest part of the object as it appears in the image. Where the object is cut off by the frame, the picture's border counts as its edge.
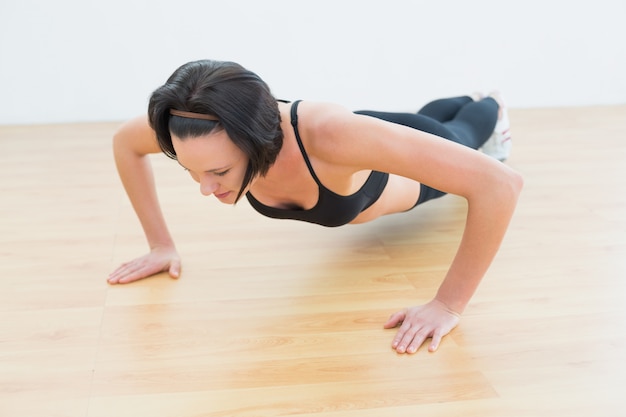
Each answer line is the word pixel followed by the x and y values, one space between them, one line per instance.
pixel 459 119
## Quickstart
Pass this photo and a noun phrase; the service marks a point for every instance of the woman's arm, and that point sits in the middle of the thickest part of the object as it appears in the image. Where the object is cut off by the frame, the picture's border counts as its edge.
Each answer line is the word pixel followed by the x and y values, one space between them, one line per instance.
pixel 490 187
pixel 132 144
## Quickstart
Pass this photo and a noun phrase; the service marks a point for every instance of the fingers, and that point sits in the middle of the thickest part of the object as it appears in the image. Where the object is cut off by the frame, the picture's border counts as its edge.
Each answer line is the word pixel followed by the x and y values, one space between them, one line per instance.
pixel 410 338
pixel 158 260
pixel 133 271
pixel 134 276
pixel 434 344
pixel 395 319
pixel 128 273
pixel 119 273
pixel 174 270
pixel 419 324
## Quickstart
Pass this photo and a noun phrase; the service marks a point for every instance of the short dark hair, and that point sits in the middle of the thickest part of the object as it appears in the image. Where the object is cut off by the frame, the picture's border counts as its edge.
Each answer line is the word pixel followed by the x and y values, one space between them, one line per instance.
pixel 238 98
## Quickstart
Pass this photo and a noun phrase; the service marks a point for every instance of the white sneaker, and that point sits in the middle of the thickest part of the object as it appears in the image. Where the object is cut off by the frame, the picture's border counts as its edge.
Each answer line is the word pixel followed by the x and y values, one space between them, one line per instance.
pixel 499 144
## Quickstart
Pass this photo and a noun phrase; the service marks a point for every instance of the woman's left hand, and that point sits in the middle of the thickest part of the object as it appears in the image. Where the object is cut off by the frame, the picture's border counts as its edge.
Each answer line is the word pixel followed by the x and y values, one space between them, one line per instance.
pixel 433 320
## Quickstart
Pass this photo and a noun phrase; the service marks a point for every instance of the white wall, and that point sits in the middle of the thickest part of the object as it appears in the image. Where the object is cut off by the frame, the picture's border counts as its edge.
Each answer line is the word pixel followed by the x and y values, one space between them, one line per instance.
pixel 85 60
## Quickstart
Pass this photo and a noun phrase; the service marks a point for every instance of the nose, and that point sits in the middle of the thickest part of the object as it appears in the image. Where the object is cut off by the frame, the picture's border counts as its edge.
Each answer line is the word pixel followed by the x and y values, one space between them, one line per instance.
pixel 208 187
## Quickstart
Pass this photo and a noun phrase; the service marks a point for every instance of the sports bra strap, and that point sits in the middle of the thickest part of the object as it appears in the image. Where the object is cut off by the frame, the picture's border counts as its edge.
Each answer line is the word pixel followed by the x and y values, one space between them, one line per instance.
pixel 294 123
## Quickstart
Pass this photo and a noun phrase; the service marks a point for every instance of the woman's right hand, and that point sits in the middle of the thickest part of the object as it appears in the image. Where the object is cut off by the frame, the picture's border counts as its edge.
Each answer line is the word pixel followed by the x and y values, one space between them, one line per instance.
pixel 132 144
pixel 158 260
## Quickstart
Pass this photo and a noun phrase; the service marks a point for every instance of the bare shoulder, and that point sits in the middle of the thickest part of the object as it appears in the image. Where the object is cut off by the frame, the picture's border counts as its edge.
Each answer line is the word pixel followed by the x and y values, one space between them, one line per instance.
pixel 328 130
pixel 136 134
pixel 340 137
pixel 321 115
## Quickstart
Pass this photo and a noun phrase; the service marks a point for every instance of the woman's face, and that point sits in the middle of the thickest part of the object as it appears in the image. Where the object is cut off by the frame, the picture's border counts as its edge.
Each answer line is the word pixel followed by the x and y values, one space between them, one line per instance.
pixel 214 162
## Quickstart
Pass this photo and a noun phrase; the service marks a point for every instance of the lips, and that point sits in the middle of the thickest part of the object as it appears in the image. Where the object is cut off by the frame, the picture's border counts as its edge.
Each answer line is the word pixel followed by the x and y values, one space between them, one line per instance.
pixel 222 195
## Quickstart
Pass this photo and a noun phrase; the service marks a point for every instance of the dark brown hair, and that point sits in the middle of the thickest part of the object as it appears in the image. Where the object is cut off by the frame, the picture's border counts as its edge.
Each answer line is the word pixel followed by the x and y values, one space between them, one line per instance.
pixel 238 98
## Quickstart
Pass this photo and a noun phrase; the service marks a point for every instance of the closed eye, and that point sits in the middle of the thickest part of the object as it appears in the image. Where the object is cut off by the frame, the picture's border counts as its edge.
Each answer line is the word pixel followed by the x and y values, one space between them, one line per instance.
pixel 222 173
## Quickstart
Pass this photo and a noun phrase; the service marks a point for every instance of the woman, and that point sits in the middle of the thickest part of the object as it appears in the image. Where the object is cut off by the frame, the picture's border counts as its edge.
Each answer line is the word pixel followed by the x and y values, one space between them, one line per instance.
pixel 321 163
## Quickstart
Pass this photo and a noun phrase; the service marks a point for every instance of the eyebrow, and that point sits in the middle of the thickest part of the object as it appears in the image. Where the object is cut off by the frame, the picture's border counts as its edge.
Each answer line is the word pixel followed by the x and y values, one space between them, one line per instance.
pixel 208 170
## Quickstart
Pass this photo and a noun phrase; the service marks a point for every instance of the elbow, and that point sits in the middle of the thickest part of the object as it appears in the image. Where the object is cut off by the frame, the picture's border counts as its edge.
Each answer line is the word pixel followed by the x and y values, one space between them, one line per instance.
pixel 511 185
pixel 517 182
pixel 117 140
pixel 503 185
pixel 500 191
pixel 122 146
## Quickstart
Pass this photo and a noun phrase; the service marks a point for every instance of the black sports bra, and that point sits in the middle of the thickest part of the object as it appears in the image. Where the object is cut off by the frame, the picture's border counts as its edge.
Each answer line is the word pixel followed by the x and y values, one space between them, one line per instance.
pixel 331 208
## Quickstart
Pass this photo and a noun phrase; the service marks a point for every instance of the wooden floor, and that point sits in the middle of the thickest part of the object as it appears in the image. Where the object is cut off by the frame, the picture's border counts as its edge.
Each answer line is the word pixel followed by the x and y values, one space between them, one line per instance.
pixel 280 318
